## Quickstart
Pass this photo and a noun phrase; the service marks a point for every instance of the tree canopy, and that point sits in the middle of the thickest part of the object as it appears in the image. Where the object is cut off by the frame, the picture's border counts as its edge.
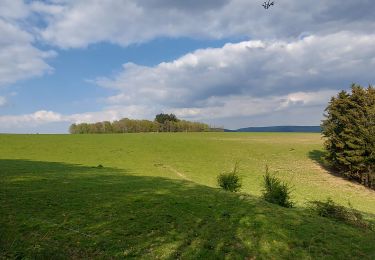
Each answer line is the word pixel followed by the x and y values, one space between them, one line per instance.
pixel 349 129
pixel 162 123
pixel 162 118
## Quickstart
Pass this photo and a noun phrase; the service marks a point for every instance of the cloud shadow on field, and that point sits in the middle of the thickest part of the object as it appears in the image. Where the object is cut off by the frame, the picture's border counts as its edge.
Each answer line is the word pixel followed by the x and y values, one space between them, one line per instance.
pixel 60 210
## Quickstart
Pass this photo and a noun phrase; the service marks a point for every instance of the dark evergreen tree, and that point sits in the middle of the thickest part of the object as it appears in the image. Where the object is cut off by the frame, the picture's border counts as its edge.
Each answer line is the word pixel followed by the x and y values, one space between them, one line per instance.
pixel 162 118
pixel 349 129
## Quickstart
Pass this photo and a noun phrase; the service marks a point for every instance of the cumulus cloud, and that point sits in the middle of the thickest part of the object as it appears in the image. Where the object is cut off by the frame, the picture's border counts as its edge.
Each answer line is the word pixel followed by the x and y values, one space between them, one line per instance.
pixel 244 107
pixel 250 68
pixel 43 117
pixel 13 9
pixel 39 117
pixel 3 101
pixel 19 58
pixel 319 98
pixel 248 106
pixel 45 8
pixel 79 23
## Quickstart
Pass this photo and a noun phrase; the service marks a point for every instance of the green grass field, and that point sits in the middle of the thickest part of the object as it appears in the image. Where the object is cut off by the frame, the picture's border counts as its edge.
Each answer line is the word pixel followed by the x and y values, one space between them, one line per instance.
pixel 156 197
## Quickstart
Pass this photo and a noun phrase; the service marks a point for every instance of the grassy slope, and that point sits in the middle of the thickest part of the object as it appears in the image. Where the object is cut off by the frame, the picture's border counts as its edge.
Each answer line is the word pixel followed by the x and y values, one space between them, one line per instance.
pixel 154 197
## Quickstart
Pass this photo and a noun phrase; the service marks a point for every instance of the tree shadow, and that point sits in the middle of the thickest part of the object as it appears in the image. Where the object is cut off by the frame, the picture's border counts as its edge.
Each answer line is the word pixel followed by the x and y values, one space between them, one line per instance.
pixel 319 157
pixel 59 210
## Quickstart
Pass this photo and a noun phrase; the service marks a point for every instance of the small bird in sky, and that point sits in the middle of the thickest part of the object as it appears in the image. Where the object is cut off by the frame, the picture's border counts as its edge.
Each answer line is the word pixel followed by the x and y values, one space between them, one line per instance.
pixel 267 5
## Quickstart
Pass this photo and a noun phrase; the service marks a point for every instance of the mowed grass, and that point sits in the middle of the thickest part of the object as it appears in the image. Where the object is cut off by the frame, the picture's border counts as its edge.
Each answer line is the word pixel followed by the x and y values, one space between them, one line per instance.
pixel 156 197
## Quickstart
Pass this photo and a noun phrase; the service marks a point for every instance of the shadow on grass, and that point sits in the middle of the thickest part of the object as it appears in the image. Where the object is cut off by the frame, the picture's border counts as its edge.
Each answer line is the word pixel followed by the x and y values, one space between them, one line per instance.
pixel 58 210
pixel 319 157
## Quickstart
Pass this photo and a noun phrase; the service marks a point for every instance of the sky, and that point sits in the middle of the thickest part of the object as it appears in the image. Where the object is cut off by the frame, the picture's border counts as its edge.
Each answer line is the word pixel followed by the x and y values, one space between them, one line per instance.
pixel 228 63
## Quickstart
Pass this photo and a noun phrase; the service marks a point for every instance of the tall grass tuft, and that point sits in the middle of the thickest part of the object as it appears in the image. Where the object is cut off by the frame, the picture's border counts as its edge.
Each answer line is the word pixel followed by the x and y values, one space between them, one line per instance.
pixel 230 181
pixel 276 191
pixel 330 209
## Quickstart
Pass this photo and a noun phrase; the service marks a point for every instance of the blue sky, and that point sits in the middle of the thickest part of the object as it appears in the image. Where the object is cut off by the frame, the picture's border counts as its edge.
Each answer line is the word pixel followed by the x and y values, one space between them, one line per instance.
pixel 228 63
pixel 69 90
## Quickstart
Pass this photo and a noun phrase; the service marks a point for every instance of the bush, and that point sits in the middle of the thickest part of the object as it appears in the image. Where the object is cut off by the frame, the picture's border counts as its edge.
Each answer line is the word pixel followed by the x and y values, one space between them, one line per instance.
pixel 230 181
pixel 330 209
pixel 276 191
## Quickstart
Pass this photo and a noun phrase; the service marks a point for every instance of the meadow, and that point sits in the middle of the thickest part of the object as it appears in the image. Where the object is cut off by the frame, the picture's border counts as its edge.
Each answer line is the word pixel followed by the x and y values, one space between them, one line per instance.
pixel 155 196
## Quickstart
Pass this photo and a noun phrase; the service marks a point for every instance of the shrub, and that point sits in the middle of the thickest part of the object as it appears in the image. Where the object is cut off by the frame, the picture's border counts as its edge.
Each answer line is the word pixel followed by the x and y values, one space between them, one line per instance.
pixel 276 191
pixel 230 181
pixel 330 209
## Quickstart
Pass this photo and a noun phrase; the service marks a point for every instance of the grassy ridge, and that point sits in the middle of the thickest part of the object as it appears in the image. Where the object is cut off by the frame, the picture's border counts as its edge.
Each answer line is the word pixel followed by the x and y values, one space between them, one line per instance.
pixel 155 198
pixel 277 129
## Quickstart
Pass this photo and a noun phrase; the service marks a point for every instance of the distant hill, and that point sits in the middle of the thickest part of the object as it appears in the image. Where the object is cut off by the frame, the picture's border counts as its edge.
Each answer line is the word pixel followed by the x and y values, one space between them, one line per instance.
pixel 306 129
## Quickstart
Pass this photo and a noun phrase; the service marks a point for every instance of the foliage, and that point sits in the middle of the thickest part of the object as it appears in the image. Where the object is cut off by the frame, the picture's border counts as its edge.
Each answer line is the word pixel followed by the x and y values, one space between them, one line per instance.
pixel 162 118
pixel 230 181
pixel 349 129
pixel 276 191
pixel 330 209
pixel 162 123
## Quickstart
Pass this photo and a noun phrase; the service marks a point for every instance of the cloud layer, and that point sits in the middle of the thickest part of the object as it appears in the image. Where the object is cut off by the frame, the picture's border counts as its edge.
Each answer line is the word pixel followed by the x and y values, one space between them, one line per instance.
pixel 299 54
pixel 249 77
pixel 224 108
pixel 126 22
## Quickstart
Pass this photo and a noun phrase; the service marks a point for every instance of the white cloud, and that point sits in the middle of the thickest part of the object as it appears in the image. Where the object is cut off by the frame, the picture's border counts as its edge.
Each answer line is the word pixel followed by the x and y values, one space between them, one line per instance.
pixel 247 106
pixel 250 68
pixel 318 98
pixel 37 118
pixel 19 59
pixel 3 101
pixel 218 108
pixel 13 9
pixel 46 9
pixel 43 117
pixel 113 113
pixel 79 23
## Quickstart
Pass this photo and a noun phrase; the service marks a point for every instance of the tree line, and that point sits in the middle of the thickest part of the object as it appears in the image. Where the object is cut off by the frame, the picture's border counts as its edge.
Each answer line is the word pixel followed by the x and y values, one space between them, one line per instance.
pixel 162 123
pixel 349 130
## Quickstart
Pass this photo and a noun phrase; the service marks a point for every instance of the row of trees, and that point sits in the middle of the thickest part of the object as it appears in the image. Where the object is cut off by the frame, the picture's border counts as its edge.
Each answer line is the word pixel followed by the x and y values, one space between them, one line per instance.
pixel 162 123
pixel 349 128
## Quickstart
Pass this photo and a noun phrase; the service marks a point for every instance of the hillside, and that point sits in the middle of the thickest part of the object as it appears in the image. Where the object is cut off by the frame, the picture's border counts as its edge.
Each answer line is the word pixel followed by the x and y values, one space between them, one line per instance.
pixel 156 197
pixel 301 129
